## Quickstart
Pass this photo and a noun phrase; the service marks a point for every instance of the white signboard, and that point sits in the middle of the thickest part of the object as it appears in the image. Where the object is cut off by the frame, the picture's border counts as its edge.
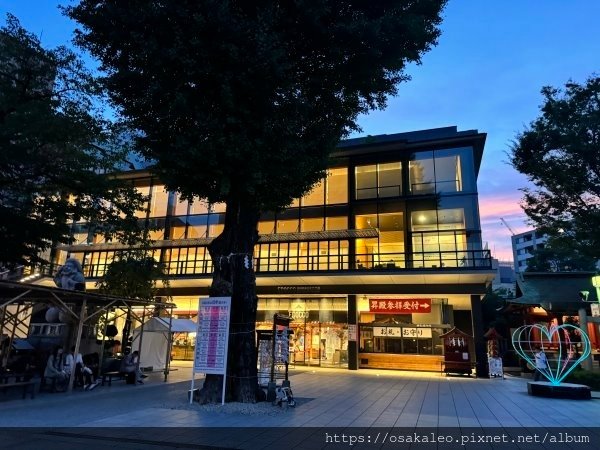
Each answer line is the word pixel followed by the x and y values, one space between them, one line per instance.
pixel 495 367
pixel 212 336
pixel 406 332
pixel 595 309
pixel 351 332
pixel 212 339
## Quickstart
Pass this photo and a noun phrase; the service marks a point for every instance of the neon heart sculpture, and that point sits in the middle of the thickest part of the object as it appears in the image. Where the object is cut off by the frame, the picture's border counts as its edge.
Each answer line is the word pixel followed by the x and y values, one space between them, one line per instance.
pixel 558 366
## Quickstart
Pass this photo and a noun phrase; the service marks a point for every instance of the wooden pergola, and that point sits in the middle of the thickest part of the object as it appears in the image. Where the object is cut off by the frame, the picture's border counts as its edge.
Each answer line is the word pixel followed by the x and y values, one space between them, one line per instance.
pixel 76 304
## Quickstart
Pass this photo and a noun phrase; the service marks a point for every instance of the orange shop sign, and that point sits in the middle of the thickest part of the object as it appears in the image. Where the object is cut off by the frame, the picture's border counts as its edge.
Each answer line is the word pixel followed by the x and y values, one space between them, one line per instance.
pixel 399 305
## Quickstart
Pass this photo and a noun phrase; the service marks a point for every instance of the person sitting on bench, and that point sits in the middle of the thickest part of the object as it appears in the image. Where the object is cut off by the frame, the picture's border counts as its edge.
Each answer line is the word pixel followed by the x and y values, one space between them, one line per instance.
pixel 83 374
pixel 54 369
pixel 130 366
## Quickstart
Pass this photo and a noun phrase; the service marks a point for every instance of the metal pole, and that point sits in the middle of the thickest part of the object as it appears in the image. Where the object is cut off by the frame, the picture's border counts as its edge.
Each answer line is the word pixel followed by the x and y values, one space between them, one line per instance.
pixel 101 368
pixel 12 338
pixel 587 363
pixel 273 348
pixel 2 333
pixel 141 338
pixel 169 344
pixel 77 342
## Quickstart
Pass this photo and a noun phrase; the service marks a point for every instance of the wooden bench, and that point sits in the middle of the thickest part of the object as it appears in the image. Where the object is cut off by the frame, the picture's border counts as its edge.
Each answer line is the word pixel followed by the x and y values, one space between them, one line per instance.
pixel 48 384
pixel 26 385
pixel 110 375
pixel 118 376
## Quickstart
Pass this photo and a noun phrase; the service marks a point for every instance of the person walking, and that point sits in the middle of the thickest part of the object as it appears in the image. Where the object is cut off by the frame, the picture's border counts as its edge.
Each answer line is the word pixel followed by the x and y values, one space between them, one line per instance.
pixel 541 363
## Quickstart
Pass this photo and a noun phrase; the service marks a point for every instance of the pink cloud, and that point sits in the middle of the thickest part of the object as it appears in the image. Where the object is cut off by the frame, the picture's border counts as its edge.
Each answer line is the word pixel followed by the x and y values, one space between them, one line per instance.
pixel 492 208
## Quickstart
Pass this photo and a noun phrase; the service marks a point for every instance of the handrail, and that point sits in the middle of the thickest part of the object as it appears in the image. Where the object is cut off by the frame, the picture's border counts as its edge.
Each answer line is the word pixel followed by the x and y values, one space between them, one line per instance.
pixel 429 261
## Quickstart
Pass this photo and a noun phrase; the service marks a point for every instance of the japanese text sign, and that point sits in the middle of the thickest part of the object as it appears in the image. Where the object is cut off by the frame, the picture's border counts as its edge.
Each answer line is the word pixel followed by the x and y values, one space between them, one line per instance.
pixel 405 332
pixel 213 335
pixel 400 305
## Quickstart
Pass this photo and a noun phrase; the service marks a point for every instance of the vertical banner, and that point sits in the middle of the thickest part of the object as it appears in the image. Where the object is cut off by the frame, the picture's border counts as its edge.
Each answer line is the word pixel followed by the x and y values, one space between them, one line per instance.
pixel 212 339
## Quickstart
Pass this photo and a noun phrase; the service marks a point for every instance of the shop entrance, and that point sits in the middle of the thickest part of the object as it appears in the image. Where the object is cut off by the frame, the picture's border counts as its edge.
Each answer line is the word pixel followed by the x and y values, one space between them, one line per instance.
pixel 320 329
pixel 320 344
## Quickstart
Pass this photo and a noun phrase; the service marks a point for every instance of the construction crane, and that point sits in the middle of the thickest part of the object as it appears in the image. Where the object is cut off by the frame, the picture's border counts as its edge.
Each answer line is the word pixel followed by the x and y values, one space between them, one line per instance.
pixel 508 226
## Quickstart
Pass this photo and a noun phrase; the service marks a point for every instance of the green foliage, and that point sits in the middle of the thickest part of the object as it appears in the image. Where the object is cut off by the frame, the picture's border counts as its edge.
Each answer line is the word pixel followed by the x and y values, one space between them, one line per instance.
pixel 134 273
pixel 247 99
pixel 585 377
pixel 559 153
pixel 243 102
pixel 492 305
pixel 133 276
pixel 557 255
pixel 54 151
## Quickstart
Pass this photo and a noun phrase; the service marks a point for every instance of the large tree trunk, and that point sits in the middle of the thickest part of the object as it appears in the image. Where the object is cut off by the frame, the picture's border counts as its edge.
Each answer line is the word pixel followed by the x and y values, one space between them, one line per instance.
pixel 233 276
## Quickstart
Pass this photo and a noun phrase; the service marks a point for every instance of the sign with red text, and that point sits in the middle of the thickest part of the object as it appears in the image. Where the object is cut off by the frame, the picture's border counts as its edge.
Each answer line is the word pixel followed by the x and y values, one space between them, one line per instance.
pixel 399 305
pixel 212 336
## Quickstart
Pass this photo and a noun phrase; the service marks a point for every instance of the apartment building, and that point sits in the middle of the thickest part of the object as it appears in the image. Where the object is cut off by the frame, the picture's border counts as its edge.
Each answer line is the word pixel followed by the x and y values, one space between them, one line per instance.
pixel 523 245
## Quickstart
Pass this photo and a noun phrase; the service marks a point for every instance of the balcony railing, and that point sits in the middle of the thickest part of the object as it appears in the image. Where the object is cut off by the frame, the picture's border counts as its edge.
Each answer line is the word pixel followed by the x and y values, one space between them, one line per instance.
pixel 464 259
pixel 434 261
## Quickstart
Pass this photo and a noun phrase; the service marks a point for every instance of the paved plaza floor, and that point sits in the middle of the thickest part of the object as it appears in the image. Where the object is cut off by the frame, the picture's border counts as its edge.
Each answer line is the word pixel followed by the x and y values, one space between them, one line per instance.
pixel 158 412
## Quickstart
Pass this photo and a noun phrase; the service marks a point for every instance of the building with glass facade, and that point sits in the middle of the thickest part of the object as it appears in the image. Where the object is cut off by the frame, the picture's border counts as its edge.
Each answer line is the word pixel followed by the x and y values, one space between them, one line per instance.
pixel 377 261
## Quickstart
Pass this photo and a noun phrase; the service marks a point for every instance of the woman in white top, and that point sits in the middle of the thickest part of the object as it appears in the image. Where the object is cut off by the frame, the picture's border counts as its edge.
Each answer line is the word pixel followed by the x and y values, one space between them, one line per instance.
pixel 541 363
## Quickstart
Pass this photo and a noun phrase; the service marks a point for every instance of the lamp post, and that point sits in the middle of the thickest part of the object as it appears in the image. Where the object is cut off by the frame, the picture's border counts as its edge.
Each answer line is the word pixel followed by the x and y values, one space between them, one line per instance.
pixel 596 284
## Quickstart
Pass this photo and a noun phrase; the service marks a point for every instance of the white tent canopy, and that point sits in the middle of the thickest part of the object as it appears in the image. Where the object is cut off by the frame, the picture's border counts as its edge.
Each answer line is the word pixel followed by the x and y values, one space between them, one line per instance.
pixel 155 341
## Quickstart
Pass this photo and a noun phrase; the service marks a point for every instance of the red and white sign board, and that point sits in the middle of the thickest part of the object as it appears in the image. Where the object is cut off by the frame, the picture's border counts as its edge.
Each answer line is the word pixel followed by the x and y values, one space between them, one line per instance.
pixel 212 336
pixel 399 305
pixel 212 339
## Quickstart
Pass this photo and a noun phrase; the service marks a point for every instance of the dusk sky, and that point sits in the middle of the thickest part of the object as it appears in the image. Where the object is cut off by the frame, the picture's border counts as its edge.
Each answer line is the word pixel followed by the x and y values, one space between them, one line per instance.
pixel 486 73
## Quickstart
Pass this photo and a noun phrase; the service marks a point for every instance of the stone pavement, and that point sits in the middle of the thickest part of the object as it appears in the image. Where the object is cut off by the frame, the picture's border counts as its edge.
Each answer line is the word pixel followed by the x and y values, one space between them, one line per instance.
pixel 326 399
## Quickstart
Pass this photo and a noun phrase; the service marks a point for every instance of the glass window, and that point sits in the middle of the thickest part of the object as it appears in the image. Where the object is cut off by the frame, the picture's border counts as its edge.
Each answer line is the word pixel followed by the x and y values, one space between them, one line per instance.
pixel 197 226
pixel 218 207
pixel 366 221
pixel 181 206
pixel 215 224
pixel 336 223
pixel 448 172
pixel 312 224
pixel 451 219
pixel 80 233
pixel 337 186
pixel 177 228
pixel 316 196
pixel 422 173
pixel 366 181
pixel 423 220
pixel 389 179
pixel 288 226
pixel 266 227
pixel 391 239
pixel 156 229
pixel 159 201
pixel 199 207
pixel 439 238
pixel 379 180
pixel 144 190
